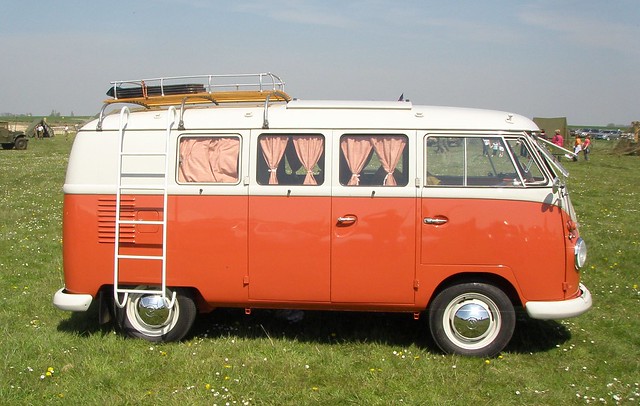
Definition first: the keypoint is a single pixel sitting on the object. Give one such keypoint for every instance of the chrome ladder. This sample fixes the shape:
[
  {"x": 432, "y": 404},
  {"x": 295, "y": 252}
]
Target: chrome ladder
[{"x": 131, "y": 189}]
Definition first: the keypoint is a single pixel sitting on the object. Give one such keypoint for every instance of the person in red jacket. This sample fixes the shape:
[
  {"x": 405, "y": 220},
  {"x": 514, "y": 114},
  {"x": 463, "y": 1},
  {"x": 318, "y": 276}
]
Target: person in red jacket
[{"x": 558, "y": 139}]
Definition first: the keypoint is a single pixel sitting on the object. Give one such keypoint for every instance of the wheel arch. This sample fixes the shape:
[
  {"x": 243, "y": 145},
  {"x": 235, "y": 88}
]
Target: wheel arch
[{"x": 498, "y": 281}]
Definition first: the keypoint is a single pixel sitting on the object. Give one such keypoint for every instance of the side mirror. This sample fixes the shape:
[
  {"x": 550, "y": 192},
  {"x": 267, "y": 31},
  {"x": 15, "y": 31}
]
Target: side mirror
[{"x": 557, "y": 185}]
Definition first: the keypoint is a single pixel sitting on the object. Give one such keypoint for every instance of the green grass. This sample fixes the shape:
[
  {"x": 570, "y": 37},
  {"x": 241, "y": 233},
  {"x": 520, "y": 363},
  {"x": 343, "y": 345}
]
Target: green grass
[{"x": 329, "y": 358}]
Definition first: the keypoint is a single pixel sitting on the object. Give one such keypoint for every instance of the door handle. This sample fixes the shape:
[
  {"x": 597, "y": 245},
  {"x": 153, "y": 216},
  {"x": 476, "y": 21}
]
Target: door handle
[
  {"x": 435, "y": 220},
  {"x": 345, "y": 220}
]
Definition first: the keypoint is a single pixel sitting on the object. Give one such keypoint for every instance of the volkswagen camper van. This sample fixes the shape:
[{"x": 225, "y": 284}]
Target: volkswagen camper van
[{"x": 196, "y": 193}]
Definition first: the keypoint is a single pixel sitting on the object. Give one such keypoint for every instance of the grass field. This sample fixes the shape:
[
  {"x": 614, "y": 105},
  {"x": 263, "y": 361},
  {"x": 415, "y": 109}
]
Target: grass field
[{"x": 54, "y": 357}]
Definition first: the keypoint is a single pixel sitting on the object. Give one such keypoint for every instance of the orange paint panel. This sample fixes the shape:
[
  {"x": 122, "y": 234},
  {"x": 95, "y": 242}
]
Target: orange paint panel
[
  {"x": 206, "y": 245},
  {"x": 289, "y": 248},
  {"x": 526, "y": 237},
  {"x": 88, "y": 264},
  {"x": 373, "y": 257}
]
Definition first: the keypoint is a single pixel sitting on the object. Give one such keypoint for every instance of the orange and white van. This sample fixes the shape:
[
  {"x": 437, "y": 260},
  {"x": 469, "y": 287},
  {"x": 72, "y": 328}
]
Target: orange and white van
[{"x": 223, "y": 191}]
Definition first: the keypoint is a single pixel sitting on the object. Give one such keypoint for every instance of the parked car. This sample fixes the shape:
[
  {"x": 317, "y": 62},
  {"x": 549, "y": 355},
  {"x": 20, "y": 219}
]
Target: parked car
[
  {"x": 610, "y": 134},
  {"x": 588, "y": 131},
  {"x": 11, "y": 139}
]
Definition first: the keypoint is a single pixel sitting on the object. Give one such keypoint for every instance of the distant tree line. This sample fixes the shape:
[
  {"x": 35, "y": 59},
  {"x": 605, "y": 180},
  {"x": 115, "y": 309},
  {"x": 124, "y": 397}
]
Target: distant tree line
[{"x": 54, "y": 113}]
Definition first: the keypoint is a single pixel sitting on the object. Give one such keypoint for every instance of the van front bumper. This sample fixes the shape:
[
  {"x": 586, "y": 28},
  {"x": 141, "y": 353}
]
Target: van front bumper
[
  {"x": 562, "y": 309},
  {"x": 75, "y": 302}
]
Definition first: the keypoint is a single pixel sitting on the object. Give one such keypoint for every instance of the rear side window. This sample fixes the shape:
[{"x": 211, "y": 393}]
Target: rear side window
[
  {"x": 480, "y": 162},
  {"x": 374, "y": 160},
  {"x": 290, "y": 159},
  {"x": 209, "y": 159}
]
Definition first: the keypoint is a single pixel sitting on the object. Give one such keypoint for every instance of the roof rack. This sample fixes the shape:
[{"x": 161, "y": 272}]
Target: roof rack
[
  {"x": 200, "y": 89},
  {"x": 168, "y": 91}
]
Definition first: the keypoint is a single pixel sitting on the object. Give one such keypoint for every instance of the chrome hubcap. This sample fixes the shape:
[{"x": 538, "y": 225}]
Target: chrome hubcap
[
  {"x": 471, "y": 321},
  {"x": 153, "y": 311}
]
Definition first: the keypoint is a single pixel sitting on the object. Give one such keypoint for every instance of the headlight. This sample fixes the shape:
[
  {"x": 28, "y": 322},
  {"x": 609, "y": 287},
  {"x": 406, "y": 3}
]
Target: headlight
[{"x": 580, "y": 253}]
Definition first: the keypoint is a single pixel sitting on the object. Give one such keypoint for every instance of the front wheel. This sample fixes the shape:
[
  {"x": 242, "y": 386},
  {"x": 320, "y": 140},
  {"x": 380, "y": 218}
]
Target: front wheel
[
  {"x": 473, "y": 319},
  {"x": 148, "y": 316},
  {"x": 21, "y": 143}
]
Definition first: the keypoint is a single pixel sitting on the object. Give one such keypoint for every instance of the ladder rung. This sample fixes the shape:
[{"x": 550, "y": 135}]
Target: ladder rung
[
  {"x": 144, "y": 257},
  {"x": 119, "y": 290},
  {"x": 143, "y": 174},
  {"x": 142, "y": 187},
  {"x": 158, "y": 222},
  {"x": 143, "y": 153}
]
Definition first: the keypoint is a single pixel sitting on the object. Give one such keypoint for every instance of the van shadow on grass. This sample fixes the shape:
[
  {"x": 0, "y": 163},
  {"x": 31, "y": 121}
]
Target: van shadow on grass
[
  {"x": 85, "y": 324},
  {"x": 331, "y": 327},
  {"x": 394, "y": 329},
  {"x": 532, "y": 336}
]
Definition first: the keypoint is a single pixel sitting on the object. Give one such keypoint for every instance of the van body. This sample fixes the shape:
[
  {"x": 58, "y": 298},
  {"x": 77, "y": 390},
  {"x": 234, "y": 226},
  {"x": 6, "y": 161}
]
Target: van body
[{"x": 268, "y": 202}]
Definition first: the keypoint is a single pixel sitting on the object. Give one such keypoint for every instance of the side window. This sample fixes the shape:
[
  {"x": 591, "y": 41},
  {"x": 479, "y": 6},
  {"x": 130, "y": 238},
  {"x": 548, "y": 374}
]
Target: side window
[
  {"x": 290, "y": 159},
  {"x": 374, "y": 160},
  {"x": 471, "y": 161},
  {"x": 445, "y": 161},
  {"x": 209, "y": 159}
]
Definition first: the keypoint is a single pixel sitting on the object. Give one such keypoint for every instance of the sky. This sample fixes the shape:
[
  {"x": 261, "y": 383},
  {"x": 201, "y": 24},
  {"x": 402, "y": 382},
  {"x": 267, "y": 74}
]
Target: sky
[{"x": 578, "y": 59}]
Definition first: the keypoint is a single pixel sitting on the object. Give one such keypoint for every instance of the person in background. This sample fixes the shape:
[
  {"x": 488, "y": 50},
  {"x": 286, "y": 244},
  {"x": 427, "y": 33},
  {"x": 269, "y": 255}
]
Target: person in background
[
  {"x": 577, "y": 147},
  {"x": 558, "y": 139},
  {"x": 586, "y": 147}
]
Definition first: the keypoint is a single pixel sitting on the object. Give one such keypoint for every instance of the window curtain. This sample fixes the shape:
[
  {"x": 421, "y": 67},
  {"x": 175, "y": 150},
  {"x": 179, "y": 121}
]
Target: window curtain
[
  {"x": 309, "y": 149},
  {"x": 356, "y": 150},
  {"x": 273, "y": 147},
  {"x": 389, "y": 149},
  {"x": 209, "y": 160}
]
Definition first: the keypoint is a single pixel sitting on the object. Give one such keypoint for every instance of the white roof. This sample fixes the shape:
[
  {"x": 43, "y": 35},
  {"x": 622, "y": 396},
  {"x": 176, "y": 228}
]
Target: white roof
[{"x": 322, "y": 114}]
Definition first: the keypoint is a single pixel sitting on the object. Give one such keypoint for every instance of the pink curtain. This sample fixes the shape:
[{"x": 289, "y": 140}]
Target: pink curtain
[
  {"x": 273, "y": 147},
  {"x": 309, "y": 148},
  {"x": 355, "y": 151},
  {"x": 389, "y": 149},
  {"x": 209, "y": 160}
]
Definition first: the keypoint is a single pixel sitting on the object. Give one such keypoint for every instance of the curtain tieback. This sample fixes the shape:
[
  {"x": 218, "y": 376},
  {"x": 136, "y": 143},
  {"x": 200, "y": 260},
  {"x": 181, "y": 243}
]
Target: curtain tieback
[{"x": 356, "y": 177}]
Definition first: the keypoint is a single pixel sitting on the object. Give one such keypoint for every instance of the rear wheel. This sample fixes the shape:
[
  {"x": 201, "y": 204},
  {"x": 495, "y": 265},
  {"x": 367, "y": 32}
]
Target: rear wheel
[
  {"x": 474, "y": 319},
  {"x": 148, "y": 316}
]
